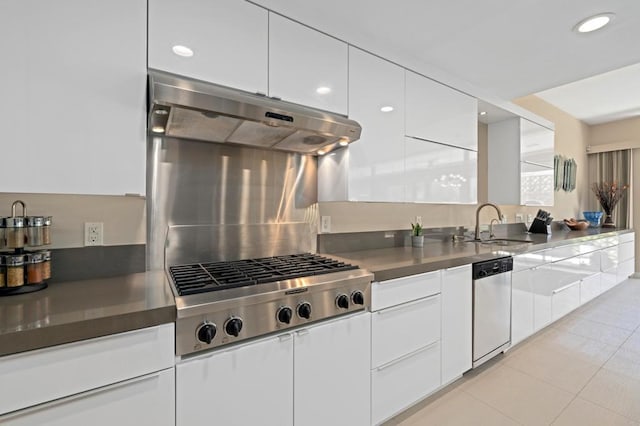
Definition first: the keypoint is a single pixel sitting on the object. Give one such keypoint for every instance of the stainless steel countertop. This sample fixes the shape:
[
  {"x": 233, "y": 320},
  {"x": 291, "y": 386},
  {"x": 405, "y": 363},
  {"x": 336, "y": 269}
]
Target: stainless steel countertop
[
  {"x": 71, "y": 311},
  {"x": 397, "y": 262}
]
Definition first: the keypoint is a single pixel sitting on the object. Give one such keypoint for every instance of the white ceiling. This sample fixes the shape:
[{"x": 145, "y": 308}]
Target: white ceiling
[{"x": 503, "y": 47}]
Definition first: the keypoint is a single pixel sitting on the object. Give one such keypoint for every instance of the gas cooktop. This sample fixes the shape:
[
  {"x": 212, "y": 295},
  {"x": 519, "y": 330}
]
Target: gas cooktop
[{"x": 204, "y": 277}]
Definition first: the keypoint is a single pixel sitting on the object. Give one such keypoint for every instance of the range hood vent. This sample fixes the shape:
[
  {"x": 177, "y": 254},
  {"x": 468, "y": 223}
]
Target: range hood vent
[{"x": 185, "y": 108}]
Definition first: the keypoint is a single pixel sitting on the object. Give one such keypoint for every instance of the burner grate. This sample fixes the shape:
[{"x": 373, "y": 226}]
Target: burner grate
[{"x": 200, "y": 278}]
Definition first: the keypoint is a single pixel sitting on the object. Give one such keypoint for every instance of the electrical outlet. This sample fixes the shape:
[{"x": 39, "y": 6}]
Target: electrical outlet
[
  {"x": 529, "y": 218},
  {"x": 419, "y": 220},
  {"x": 519, "y": 218},
  {"x": 93, "y": 234},
  {"x": 325, "y": 224}
]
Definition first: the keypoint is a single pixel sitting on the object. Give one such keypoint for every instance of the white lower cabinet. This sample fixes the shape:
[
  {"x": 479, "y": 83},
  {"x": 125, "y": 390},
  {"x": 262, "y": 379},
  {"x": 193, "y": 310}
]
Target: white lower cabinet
[
  {"x": 304, "y": 378},
  {"x": 146, "y": 400},
  {"x": 457, "y": 322},
  {"x": 243, "y": 385},
  {"x": 331, "y": 373},
  {"x": 522, "y": 304},
  {"x": 590, "y": 288},
  {"x": 564, "y": 300},
  {"x": 73, "y": 368},
  {"x": 404, "y": 381}
]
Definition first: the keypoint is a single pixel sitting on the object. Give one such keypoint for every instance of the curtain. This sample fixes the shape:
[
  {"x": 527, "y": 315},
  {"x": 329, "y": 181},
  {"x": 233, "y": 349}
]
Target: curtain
[{"x": 612, "y": 166}]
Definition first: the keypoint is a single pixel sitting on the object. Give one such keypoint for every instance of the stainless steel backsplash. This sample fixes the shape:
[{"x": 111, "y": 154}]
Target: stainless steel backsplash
[{"x": 204, "y": 191}]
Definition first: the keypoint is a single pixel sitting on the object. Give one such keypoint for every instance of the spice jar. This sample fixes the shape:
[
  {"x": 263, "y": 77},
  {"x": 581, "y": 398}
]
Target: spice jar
[
  {"x": 35, "y": 226},
  {"x": 34, "y": 268},
  {"x": 3, "y": 272},
  {"x": 14, "y": 231},
  {"x": 15, "y": 270},
  {"x": 46, "y": 264},
  {"x": 2, "y": 241},
  {"x": 46, "y": 231}
]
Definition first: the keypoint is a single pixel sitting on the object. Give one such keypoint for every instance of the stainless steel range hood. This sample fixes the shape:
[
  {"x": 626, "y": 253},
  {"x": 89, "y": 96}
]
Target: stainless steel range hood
[{"x": 185, "y": 108}]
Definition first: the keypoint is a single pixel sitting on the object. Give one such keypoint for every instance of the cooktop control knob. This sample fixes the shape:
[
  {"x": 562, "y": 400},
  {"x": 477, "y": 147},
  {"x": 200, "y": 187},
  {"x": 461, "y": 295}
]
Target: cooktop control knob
[
  {"x": 284, "y": 314},
  {"x": 482, "y": 273},
  {"x": 357, "y": 297},
  {"x": 206, "y": 332},
  {"x": 342, "y": 301},
  {"x": 233, "y": 326},
  {"x": 304, "y": 310}
]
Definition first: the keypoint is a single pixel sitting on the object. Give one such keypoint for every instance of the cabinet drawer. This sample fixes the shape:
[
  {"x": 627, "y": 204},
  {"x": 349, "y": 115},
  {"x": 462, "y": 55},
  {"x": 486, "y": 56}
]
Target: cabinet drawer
[
  {"x": 528, "y": 260},
  {"x": 148, "y": 400},
  {"x": 626, "y": 251},
  {"x": 561, "y": 253},
  {"x": 626, "y": 269},
  {"x": 626, "y": 238},
  {"x": 608, "y": 258},
  {"x": 564, "y": 300},
  {"x": 590, "y": 263},
  {"x": 609, "y": 278},
  {"x": 607, "y": 242},
  {"x": 406, "y": 289},
  {"x": 401, "y": 329},
  {"x": 72, "y": 368},
  {"x": 396, "y": 386},
  {"x": 590, "y": 288}
]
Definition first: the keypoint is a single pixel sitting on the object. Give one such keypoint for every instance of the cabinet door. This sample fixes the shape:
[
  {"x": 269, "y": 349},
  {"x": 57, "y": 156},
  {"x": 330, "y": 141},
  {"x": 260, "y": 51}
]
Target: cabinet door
[
  {"x": 522, "y": 305},
  {"x": 543, "y": 285},
  {"x": 536, "y": 185},
  {"x": 306, "y": 66},
  {"x": 376, "y": 161},
  {"x": 332, "y": 365},
  {"x": 245, "y": 385},
  {"x": 436, "y": 173},
  {"x": 74, "y": 96},
  {"x": 439, "y": 113},
  {"x": 456, "y": 322},
  {"x": 536, "y": 144},
  {"x": 228, "y": 39},
  {"x": 148, "y": 400}
]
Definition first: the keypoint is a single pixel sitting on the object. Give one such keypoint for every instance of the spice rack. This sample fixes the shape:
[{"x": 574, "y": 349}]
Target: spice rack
[{"x": 23, "y": 270}]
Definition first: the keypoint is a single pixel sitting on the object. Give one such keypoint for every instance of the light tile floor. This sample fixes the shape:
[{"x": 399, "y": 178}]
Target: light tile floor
[{"x": 582, "y": 370}]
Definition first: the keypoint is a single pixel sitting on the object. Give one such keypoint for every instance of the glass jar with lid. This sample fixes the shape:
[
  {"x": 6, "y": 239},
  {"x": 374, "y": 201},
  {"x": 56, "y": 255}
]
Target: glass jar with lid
[
  {"x": 14, "y": 231},
  {"x": 35, "y": 230},
  {"x": 46, "y": 231},
  {"x": 34, "y": 268},
  {"x": 3, "y": 272},
  {"x": 14, "y": 270},
  {"x": 2, "y": 240},
  {"x": 46, "y": 264}
]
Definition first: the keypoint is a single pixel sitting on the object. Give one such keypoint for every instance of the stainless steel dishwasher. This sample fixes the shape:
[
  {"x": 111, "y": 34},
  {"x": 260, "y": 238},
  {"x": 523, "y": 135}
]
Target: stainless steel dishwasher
[{"x": 491, "y": 308}]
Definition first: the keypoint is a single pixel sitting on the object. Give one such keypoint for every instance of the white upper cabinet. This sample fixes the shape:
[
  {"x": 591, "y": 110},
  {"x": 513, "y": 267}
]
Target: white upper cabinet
[
  {"x": 306, "y": 67},
  {"x": 228, "y": 39},
  {"x": 372, "y": 168},
  {"x": 536, "y": 144},
  {"x": 73, "y": 96},
  {"x": 437, "y": 173},
  {"x": 520, "y": 163},
  {"x": 438, "y": 113}
]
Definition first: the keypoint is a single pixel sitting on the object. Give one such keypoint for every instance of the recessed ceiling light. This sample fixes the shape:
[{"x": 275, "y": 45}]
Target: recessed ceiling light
[
  {"x": 323, "y": 90},
  {"x": 182, "y": 51},
  {"x": 386, "y": 108},
  {"x": 157, "y": 129},
  {"x": 482, "y": 113},
  {"x": 161, "y": 112},
  {"x": 344, "y": 143},
  {"x": 593, "y": 23},
  {"x": 321, "y": 152}
]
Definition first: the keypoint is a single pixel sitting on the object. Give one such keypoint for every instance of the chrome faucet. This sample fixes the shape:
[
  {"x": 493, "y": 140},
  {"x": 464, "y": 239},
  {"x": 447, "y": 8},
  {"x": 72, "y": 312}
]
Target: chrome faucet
[{"x": 477, "y": 236}]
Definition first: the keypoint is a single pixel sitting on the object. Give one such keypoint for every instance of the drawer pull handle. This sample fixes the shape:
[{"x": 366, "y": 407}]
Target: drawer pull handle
[
  {"x": 407, "y": 305},
  {"x": 407, "y": 356},
  {"x": 561, "y": 289},
  {"x": 302, "y": 332},
  {"x": 285, "y": 337}
]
